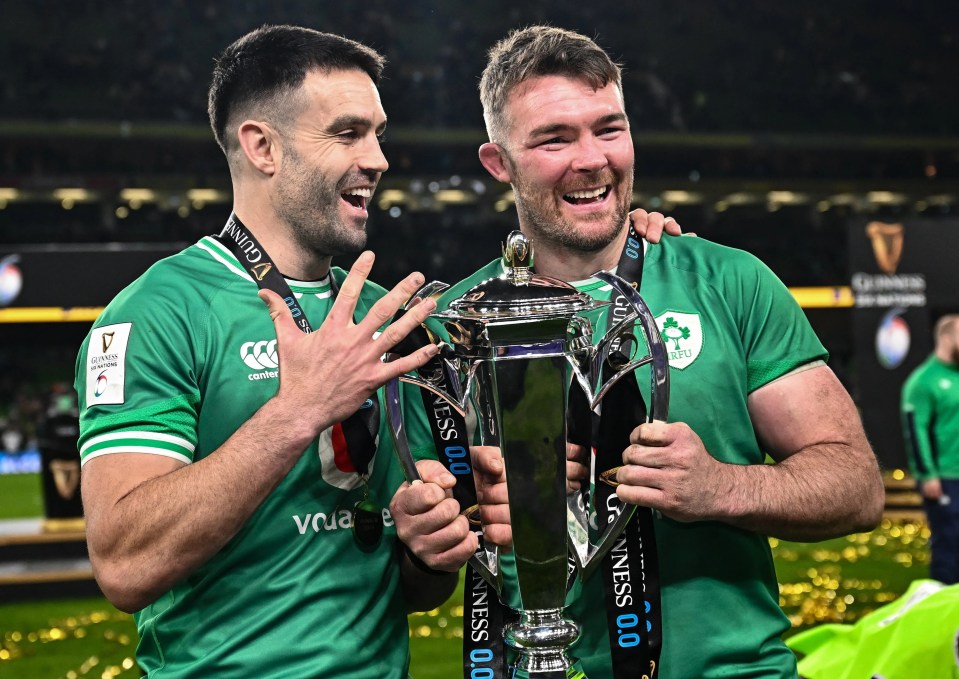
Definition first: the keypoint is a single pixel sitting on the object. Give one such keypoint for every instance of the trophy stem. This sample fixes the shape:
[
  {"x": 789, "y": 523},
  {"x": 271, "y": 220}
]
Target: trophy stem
[{"x": 541, "y": 638}]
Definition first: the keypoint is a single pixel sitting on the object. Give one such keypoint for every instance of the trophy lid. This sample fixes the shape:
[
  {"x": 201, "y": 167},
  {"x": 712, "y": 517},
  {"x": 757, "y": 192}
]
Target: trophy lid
[{"x": 519, "y": 293}]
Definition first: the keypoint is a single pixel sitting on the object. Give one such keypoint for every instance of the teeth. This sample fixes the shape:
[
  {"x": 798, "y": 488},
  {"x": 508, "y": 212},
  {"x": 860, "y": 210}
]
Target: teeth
[
  {"x": 364, "y": 193},
  {"x": 587, "y": 194}
]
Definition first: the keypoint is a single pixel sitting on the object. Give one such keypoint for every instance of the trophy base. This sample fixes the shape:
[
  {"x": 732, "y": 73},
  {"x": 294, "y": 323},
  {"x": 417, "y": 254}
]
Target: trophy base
[{"x": 541, "y": 638}]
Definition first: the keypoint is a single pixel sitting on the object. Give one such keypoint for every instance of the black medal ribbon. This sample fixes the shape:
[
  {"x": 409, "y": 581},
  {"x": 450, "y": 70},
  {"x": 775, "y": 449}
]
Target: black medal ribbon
[
  {"x": 359, "y": 429},
  {"x": 631, "y": 569}
]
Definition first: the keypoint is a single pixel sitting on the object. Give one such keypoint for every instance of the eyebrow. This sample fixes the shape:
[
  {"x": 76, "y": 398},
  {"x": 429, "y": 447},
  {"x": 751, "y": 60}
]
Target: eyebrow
[
  {"x": 351, "y": 120},
  {"x": 560, "y": 127}
]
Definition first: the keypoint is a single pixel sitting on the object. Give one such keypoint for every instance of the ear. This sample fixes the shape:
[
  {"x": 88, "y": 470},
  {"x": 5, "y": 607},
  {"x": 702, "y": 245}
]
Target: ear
[
  {"x": 495, "y": 161},
  {"x": 258, "y": 141}
]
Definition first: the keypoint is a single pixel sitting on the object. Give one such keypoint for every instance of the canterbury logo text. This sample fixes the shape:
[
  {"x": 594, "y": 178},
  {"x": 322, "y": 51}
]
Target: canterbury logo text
[{"x": 259, "y": 355}]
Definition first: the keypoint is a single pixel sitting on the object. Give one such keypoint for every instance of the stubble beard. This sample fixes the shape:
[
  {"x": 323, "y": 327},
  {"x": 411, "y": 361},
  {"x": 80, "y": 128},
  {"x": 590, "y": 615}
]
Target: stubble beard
[
  {"x": 543, "y": 218},
  {"x": 309, "y": 203}
]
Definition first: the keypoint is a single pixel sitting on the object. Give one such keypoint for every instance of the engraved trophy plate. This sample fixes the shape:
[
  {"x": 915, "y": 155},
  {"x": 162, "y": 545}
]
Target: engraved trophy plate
[{"x": 517, "y": 344}]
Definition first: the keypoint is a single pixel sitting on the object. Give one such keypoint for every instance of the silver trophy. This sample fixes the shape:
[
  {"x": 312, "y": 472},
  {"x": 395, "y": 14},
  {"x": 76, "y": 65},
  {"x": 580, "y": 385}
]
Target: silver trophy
[{"x": 519, "y": 342}]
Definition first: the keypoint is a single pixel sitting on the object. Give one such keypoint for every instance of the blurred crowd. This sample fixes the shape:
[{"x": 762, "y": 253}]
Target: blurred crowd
[
  {"x": 708, "y": 66},
  {"x": 700, "y": 65}
]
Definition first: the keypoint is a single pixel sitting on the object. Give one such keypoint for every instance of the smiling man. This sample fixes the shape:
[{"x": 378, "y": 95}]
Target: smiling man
[
  {"x": 747, "y": 378},
  {"x": 236, "y": 469}
]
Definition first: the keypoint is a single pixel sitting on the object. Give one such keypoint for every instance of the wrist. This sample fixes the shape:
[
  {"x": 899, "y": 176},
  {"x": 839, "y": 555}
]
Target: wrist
[
  {"x": 420, "y": 565},
  {"x": 288, "y": 423},
  {"x": 739, "y": 492}
]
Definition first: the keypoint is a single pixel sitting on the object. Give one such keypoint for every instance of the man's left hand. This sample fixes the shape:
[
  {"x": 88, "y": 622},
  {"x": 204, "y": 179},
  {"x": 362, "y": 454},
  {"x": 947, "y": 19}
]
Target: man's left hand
[{"x": 667, "y": 467}]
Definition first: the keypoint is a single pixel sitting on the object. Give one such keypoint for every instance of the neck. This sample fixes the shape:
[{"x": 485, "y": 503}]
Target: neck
[
  {"x": 946, "y": 353},
  {"x": 566, "y": 264},
  {"x": 276, "y": 238}
]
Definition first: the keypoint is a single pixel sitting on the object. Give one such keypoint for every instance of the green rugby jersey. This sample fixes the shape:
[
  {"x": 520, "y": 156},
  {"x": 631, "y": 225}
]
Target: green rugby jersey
[
  {"x": 174, "y": 365},
  {"x": 930, "y": 411},
  {"x": 731, "y": 327}
]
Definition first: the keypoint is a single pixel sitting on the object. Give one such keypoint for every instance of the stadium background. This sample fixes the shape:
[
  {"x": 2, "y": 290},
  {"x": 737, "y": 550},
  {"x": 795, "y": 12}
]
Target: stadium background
[{"x": 777, "y": 128}]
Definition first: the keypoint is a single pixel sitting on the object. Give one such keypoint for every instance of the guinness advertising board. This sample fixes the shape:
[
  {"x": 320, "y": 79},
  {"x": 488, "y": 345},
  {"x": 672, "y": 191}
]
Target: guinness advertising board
[{"x": 903, "y": 277}]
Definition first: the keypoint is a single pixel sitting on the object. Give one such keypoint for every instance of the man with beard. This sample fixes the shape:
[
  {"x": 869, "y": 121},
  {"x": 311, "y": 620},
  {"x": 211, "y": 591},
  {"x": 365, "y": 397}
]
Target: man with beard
[
  {"x": 748, "y": 378},
  {"x": 235, "y": 466},
  {"x": 930, "y": 411}
]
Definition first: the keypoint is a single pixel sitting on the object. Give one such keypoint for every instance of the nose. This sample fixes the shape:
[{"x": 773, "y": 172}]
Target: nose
[
  {"x": 590, "y": 156},
  {"x": 372, "y": 158}
]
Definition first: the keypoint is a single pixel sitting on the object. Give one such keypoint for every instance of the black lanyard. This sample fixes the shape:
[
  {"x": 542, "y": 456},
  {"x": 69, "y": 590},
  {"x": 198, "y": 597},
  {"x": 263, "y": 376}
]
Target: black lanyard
[
  {"x": 631, "y": 569},
  {"x": 360, "y": 428}
]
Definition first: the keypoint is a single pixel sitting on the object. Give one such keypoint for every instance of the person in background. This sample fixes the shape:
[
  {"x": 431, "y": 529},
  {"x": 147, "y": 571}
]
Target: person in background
[
  {"x": 57, "y": 434},
  {"x": 930, "y": 414}
]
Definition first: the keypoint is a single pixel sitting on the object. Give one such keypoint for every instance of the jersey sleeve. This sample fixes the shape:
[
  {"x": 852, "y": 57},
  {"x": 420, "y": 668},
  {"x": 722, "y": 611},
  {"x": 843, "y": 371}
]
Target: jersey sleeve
[
  {"x": 776, "y": 334},
  {"x": 137, "y": 379},
  {"x": 918, "y": 414}
]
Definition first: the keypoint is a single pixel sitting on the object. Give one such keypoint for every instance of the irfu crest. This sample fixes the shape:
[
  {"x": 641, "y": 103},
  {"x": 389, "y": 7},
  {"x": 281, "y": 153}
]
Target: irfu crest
[{"x": 683, "y": 334}]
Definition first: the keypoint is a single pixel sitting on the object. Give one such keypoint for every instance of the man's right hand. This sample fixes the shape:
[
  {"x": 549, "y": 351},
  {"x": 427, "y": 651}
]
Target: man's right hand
[
  {"x": 329, "y": 373},
  {"x": 428, "y": 519},
  {"x": 931, "y": 489}
]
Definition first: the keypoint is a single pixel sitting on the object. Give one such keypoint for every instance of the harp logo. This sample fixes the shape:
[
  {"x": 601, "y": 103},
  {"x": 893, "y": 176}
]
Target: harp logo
[
  {"x": 106, "y": 364},
  {"x": 886, "y": 242},
  {"x": 260, "y": 270},
  {"x": 66, "y": 477}
]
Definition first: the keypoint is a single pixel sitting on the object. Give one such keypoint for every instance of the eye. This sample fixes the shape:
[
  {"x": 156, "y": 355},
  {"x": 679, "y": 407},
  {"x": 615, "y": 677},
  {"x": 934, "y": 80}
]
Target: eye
[
  {"x": 553, "y": 141},
  {"x": 348, "y": 135},
  {"x": 607, "y": 131},
  {"x": 381, "y": 137}
]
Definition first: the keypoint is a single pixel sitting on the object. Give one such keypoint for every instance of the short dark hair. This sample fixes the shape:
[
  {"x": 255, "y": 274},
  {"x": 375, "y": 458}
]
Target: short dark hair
[
  {"x": 266, "y": 66},
  {"x": 539, "y": 51}
]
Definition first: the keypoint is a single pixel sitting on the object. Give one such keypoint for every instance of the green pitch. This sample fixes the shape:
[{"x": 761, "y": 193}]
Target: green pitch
[
  {"x": 21, "y": 496},
  {"x": 838, "y": 580}
]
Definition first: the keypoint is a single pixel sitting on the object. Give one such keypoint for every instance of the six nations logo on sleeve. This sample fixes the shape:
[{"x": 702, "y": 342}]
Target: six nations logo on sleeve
[{"x": 106, "y": 364}]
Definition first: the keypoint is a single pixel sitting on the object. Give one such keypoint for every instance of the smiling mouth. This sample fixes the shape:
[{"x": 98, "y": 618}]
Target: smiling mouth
[
  {"x": 357, "y": 197},
  {"x": 587, "y": 196}
]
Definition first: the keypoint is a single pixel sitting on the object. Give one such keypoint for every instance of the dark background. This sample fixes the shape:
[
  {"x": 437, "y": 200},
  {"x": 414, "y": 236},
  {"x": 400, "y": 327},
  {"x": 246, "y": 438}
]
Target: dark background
[{"x": 847, "y": 106}]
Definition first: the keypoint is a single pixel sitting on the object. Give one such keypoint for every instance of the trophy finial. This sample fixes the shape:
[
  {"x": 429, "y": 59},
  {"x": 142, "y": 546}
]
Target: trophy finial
[{"x": 518, "y": 258}]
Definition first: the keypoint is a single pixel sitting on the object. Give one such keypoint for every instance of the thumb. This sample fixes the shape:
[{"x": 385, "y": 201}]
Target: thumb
[
  {"x": 279, "y": 313},
  {"x": 433, "y": 471}
]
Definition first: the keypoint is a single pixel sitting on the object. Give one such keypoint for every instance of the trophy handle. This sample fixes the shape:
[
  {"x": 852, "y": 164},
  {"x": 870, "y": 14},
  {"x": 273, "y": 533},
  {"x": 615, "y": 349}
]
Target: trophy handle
[
  {"x": 445, "y": 363},
  {"x": 459, "y": 401},
  {"x": 657, "y": 356},
  {"x": 587, "y": 554},
  {"x": 486, "y": 559}
]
